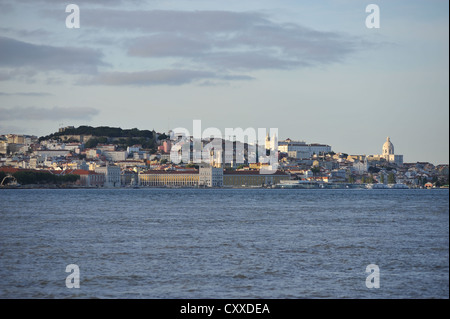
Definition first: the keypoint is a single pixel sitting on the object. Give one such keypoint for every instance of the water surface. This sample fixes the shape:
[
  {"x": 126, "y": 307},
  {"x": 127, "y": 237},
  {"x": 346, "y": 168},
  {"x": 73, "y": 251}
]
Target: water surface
[{"x": 224, "y": 243}]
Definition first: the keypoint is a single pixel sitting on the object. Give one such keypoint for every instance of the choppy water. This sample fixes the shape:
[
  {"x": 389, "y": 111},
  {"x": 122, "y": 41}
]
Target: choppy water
[{"x": 224, "y": 243}]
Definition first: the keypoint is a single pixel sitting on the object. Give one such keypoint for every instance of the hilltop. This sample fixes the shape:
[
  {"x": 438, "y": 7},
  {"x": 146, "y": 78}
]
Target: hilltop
[{"x": 92, "y": 136}]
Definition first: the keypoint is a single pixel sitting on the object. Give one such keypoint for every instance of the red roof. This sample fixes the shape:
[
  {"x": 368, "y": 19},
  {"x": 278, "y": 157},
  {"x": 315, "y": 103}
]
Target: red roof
[
  {"x": 12, "y": 170},
  {"x": 84, "y": 172},
  {"x": 254, "y": 172},
  {"x": 8, "y": 169},
  {"x": 170, "y": 172}
]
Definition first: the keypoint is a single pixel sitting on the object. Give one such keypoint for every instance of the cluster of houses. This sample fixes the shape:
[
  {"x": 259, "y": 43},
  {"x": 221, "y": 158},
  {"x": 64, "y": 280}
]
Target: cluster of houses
[{"x": 106, "y": 165}]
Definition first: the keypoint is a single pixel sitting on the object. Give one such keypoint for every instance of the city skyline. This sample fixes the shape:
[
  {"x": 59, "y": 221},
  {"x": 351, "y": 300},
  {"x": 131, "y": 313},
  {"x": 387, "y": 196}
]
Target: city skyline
[{"x": 314, "y": 71}]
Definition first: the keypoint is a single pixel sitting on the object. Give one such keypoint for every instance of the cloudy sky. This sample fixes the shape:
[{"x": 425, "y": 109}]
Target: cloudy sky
[{"x": 312, "y": 69}]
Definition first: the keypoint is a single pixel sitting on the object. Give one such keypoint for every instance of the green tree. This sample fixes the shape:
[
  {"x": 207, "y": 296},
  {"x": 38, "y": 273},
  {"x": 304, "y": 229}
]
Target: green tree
[
  {"x": 93, "y": 142},
  {"x": 382, "y": 178},
  {"x": 163, "y": 136},
  {"x": 30, "y": 177},
  {"x": 315, "y": 170},
  {"x": 391, "y": 178}
]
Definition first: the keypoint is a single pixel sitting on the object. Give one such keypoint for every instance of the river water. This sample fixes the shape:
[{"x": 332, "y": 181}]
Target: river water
[{"x": 224, "y": 243}]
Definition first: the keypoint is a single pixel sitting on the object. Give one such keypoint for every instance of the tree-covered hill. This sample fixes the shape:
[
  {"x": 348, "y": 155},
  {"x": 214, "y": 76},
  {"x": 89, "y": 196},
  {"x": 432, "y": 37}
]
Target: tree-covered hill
[
  {"x": 105, "y": 134},
  {"x": 101, "y": 131}
]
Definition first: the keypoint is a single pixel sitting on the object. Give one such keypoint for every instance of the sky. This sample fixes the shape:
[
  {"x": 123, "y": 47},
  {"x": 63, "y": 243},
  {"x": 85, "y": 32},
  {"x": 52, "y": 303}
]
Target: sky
[{"x": 311, "y": 69}]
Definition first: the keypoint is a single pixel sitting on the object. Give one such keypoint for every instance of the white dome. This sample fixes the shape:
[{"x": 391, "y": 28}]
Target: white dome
[{"x": 388, "y": 147}]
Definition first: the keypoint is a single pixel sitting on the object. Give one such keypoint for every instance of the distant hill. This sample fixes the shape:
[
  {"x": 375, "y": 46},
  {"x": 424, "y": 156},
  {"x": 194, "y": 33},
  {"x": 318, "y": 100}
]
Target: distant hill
[
  {"x": 105, "y": 131},
  {"x": 105, "y": 134}
]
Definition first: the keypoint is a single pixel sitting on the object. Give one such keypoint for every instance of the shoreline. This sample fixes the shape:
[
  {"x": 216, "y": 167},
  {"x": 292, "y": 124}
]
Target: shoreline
[{"x": 343, "y": 187}]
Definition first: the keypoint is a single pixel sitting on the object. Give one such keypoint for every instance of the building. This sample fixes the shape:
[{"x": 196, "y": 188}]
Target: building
[
  {"x": 129, "y": 178},
  {"x": 299, "y": 149},
  {"x": 51, "y": 153},
  {"x": 360, "y": 167},
  {"x": 3, "y": 147},
  {"x": 111, "y": 173},
  {"x": 252, "y": 178},
  {"x": 106, "y": 147},
  {"x": 388, "y": 153},
  {"x": 271, "y": 143},
  {"x": 167, "y": 178},
  {"x": 90, "y": 178},
  {"x": 210, "y": 176},
  {"x": 115, "y": 156}
]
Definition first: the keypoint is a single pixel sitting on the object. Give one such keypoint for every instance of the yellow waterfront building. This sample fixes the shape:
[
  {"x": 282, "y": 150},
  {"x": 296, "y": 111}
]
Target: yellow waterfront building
[
  {"x": 246, "y": 178},
  {"x": 163, "y": 178}
]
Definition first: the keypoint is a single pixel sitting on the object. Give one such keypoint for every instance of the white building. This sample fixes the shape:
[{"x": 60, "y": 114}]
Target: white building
[
  {"x": 360, "y": 167},
  {"x": 299, "y": 149},
  {"x": 93, "y": 153},
  {"x": 388, "y": 153},
  {"x": 133, "y": 149},
  {"x": 3, "y": 147},
  {"x": 112, "y": 175},
  {"x": 210, "y": 176},
  {"x": 115, "y": 156},
  {"x": 51, "y": 153}
]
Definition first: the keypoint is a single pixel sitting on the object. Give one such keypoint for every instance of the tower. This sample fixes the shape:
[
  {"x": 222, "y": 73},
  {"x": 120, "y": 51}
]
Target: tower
[
  {"x": 388, "y": 147},
  {"x": 267, "y": 145}
]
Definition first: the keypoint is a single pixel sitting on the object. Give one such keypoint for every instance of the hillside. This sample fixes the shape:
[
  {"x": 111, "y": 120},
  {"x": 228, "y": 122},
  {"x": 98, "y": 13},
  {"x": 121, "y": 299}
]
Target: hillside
[{"x": 92, "y": 136}]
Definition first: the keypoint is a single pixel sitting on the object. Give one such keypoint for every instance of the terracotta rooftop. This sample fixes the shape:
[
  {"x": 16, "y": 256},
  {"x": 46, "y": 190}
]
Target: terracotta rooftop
[{"x": 170, "y": 172}]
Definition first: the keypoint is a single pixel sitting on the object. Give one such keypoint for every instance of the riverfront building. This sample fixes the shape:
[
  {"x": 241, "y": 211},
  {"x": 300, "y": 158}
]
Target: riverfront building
[
  {"x": 210, "y": 176},
  {"x": 252, "y": 178},
  {"x": 112, "y": 175},
  {"x": 162, "y": 178},
  {"x": 89, "y": 178}
]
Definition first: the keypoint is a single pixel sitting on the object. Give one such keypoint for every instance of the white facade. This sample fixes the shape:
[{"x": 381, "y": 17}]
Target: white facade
[
  {"x": 3, "y": 147},
  {"x": 112, "y": 175},
  {"x": 360, "y": 167},
  {"x": 115, "y": 156},
  {"x": 302, "y": 150},
  {"x": 92, "y": 153},
  {"x": 210, "y": 176},
  {"x": 133, "y": 149},
  {"x": 51, "y": 153},
  {"x": 388, "y": 153}
]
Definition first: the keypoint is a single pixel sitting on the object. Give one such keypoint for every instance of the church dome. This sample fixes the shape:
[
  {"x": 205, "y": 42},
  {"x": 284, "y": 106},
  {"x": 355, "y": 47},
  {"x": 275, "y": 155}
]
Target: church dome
[{"x": 388, "y": 147}]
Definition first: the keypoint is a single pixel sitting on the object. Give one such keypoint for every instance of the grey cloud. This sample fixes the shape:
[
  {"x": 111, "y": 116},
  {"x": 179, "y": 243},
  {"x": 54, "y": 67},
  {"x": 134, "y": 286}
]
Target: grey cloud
[
  {"x": 42, "y": 114},
  {"x": 37, "y": 33},
  {"x": 161, "y": 45},
  {"x": 158, "y": 77},
  {"x": 34, "y": 94},
  {"x": 5, "y": 76},
  {"x": 6, "y": 7},
  {"x": 171, "y": 21},
  {"x": 209, "y": 42},
  {"x": 16, "y": 53},
  {"x": 297, "y": 42},
  {"x": 231, "y": 40},
  {"x": 247, "y": 61},
  {"x": 97, "y": 3}
]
